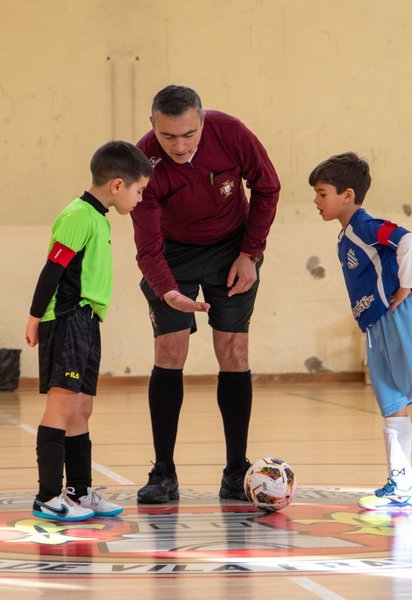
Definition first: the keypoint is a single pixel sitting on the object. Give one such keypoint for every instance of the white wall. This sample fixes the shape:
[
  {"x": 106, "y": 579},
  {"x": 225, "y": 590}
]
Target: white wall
[{"x": 298, "y": 315}]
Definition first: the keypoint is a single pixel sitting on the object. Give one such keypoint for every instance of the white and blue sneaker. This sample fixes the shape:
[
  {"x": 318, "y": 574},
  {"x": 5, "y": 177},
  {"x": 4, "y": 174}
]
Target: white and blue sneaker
[
  {"x": 389, "y": 497},
  {"x": 61, "y": 508},
  {"x": 101, "y": 507}
]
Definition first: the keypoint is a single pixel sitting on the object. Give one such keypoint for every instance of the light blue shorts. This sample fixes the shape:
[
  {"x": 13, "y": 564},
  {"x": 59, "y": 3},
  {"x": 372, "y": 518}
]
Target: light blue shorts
[{"x": 389, "y": 347}]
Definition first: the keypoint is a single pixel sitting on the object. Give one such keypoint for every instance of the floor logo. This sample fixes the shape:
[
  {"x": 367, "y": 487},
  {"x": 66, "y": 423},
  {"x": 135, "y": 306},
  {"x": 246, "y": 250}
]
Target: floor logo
[{"x": 201, "y": 536}]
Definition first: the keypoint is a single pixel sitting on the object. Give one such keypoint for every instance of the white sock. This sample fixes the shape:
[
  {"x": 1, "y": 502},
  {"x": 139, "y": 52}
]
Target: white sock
[{"x": 397, "y": 433}]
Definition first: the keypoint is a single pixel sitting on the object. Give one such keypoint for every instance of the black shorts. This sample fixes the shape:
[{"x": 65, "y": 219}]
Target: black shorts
[
  {"x": 205, "y": 267},
  {"x": 69, "y": 352}
]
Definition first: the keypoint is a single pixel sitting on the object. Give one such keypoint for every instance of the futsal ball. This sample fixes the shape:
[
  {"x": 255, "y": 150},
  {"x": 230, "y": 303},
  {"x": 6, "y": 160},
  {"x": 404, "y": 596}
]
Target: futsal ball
[{"x": 270, "y": 484}]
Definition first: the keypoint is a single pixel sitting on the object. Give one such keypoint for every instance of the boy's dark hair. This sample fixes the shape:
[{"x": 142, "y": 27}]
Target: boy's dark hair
[
  {"x": 119, "y": 159},
  {"x": 344, "y": 171},
  {"x": 176, "y": 100}
]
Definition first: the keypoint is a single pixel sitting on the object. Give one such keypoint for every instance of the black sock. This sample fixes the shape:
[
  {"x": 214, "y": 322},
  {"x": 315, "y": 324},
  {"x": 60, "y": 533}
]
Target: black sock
[
  {"x": 78, "y": 462},
  {"x": 165, "y": 402},
  {"x": 234, "y": 397},
  {"x": 50, "y": 461}
]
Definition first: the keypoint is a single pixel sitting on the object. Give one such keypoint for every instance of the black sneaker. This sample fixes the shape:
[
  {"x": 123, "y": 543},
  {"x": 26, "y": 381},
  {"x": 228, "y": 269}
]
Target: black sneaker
[
  {"x": 232, "y": 483},
  {"x": 161, "y": 487}
]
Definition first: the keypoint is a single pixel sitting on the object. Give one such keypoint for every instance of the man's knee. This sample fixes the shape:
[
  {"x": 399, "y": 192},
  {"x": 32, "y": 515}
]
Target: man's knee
[
  {"x": 232, "y": 350},
  {"x": 171, "y": 349}
]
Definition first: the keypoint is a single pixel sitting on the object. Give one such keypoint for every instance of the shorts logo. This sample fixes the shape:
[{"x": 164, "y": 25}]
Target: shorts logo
[
  {"x": 152, "y": 318},
  {"x": 352, "y": 261},
  {"x": 396, "y": 472},
  {"x": 72, "y": 375},
  {"x": 362, "y": 304},
  {"x": 227, "y": 187}
]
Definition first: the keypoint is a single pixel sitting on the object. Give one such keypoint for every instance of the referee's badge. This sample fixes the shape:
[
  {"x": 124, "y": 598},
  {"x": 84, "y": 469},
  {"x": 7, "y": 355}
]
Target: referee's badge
[{"x": 227, "y": 187}]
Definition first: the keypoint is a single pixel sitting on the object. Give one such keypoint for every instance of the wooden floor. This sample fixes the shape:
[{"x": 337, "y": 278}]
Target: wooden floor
[{"x": 321, "y": 546}]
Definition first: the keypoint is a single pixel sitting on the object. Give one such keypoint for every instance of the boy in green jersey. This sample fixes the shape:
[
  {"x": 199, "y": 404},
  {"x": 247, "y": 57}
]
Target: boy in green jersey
[{"x": 72, "y": 296}]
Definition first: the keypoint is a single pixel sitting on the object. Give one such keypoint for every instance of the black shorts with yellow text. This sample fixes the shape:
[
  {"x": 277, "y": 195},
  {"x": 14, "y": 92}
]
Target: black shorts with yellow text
[{"x": 69, "y": 352}]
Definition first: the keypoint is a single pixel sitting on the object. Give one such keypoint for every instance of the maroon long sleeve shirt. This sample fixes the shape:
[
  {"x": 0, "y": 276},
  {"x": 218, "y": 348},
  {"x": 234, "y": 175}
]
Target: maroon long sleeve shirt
[{"x": 204, "y": 201}]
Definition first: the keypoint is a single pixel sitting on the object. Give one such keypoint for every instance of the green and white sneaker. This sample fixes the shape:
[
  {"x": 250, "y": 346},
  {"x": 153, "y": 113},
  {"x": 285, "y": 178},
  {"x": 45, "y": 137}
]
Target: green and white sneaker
[
  {"x": 389, "y": 497},
  {"x": 61, "y": 508},
  {"x": 100, "y": 506}
]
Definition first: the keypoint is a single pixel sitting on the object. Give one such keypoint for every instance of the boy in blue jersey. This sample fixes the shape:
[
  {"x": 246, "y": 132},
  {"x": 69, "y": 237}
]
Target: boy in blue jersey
[
  {"x": 72, "y": 296},
  {"x": 376, "y": 259}
]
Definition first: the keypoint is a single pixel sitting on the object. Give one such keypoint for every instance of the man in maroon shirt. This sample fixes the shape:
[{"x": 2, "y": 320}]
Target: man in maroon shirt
[{"x": 196, "y": 229}]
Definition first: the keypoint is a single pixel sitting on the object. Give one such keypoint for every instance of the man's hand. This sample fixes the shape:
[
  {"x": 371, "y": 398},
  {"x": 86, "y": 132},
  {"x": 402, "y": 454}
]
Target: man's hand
[
  {"x": 180, "y": 302},
  {"x": 32, "y": 331},
  {"x": 398, "y": 297},
  {"x": 242, "y": 275}
]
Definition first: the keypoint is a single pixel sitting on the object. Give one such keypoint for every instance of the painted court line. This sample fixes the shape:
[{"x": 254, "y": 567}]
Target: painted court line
[
  {"x": 315, "y": 588},
  {"x": 96, "y": 466}
]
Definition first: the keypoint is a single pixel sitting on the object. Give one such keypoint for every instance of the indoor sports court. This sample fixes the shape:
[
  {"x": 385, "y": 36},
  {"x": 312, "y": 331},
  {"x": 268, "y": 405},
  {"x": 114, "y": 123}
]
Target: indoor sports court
[
  {"x": 321, "y": 546},
  {"x": 309, "y": 80}
]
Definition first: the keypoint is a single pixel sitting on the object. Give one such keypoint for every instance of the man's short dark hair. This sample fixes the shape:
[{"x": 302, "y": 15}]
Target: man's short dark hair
[
  {"x": 176, "y": 100},
  {"x": 119, "y": 159},
  {"x": 344, "y": 171}
]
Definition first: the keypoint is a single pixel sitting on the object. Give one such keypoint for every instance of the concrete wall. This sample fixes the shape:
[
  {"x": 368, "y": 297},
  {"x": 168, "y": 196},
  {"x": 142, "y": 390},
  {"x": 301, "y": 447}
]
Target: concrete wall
[{"x": 311, "y": 78}]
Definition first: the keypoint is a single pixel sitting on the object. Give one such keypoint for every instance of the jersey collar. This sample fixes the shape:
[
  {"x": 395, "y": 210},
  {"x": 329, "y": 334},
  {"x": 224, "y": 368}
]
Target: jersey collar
[{"x": 87, "y": 197}]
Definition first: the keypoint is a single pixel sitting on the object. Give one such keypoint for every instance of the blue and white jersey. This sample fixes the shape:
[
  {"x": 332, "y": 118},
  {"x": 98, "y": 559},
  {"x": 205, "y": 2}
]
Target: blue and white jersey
[{"x": 367, "y": 253}]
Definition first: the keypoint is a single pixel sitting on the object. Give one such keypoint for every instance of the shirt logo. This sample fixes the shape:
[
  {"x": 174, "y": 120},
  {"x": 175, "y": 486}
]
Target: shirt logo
[
  {"x": 352, "y": 261},
  {"x": 154, "y": 161},
  {"x": 227, "y": 187},
  {"x": 362, "y": 304}
]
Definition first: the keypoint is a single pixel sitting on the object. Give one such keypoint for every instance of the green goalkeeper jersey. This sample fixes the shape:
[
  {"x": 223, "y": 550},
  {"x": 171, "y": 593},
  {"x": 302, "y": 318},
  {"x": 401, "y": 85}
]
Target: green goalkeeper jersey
[{"x": 83, "y": 229}]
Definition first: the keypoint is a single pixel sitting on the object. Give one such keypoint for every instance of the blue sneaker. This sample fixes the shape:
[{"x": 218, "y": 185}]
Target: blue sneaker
[{"x": 388, "y": 497}]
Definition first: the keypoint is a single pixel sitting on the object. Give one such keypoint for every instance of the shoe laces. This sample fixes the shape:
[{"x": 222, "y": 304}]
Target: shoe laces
[
  {"x": 65, "y": 494},
  {"x": 93, "y": 492},
  {"x": 387, "y": 489},
  {"x": 158, "y": 473}
]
